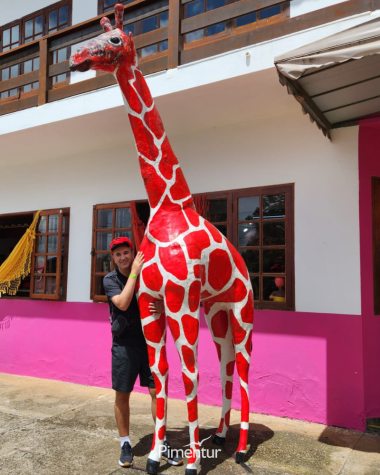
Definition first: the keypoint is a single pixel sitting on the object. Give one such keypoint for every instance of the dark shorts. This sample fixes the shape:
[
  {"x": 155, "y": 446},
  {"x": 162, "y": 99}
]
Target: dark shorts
[{"x": 128, "y": 362}]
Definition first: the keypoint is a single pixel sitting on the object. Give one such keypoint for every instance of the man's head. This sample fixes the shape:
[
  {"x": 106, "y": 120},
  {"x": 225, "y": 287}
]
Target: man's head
[{"x": 122, "y": 253}]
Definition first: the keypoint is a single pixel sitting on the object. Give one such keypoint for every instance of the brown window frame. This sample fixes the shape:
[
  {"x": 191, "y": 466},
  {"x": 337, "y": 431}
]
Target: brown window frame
[{"x": 376, "y": 243}]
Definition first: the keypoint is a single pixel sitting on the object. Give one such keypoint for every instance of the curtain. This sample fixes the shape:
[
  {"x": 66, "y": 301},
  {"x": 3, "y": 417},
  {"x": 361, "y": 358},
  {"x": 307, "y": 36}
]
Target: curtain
[
  {"x": 138, "y": 226},
  {"x": 200, "y": 204},
  {"x": 17, "y": 266}
]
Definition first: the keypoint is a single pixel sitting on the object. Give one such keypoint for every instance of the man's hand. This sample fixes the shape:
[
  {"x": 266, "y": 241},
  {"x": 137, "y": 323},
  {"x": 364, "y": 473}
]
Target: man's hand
[
  {"x": 137, "y": 264},
  {"x": 157, "y": 307}
]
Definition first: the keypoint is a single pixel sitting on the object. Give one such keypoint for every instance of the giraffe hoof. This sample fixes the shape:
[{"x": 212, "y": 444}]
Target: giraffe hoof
[
  {"x": 239, "y": 457},
  {"x": 218, "y": 440},
  {"x": 191, "y": 471},
  {"x": 152, "y": 466}
]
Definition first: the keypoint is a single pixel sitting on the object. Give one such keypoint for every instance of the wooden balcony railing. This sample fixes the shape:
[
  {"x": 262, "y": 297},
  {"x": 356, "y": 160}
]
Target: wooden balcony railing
[{"x": 38, "y": 72}]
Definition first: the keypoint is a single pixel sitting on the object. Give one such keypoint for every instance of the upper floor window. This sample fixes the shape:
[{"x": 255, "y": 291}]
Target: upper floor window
[{"x": 108, "y": 5}]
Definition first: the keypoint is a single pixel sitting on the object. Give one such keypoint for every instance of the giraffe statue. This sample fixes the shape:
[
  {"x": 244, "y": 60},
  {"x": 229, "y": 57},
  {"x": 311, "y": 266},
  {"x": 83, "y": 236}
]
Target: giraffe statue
[{"x": 187, "y": 260}]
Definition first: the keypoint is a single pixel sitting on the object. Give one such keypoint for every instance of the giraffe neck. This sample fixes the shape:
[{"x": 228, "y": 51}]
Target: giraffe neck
[{"x": 163, "y": 178}]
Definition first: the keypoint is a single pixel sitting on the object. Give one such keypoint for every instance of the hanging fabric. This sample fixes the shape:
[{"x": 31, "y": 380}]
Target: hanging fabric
[
  {"x": 138, "y": 226},
  {"x": 200, "y": 202},
  {"x": 17, "y": 265}
]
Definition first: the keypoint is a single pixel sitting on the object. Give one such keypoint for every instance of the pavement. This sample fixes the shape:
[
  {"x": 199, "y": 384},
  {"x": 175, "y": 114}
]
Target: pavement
[{"x": 50, "y": 428}]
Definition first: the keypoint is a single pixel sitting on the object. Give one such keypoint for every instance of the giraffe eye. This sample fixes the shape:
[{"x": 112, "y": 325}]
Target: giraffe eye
[{"x": 115, "y": 40}]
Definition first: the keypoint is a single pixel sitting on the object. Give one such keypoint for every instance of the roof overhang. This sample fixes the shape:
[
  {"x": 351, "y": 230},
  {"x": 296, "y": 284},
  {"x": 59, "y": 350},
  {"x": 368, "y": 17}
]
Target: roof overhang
[{"x": 336, "y": 80}]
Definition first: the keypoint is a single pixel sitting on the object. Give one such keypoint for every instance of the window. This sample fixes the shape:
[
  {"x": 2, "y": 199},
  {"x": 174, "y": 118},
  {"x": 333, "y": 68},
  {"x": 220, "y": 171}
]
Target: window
[
  {"x": 376, "y": 242},
  {"x": 48, "y": 276},
  {"x": 259, "y": 223},
  {"x": 109, "y": 222},
  {"x": 108, "y": 5}
]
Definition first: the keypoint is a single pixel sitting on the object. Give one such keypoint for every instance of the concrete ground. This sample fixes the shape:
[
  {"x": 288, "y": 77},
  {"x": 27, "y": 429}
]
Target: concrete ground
[{"x": 50, "y": 427}]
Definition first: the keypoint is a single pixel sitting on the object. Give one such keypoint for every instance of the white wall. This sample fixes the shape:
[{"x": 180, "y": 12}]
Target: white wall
[
  {"x": 300, "y": 7},
  {"x": 276, "y": 150}
]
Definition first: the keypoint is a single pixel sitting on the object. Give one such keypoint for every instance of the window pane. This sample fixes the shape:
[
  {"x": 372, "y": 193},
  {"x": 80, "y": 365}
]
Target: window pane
[
  {"x": 249, "y": 208},
  {"x": 194, "y": 8},
  {"x": 123, "y": 218},
  {"x": 35, "y": 85},
  {"x": 53, "y": 19},
  {"x": 222, "y": 228},
  {"x": 28, "y": 66},
  {"x": 268, "y": 12},
  {"x": 6, "y": 48},
  {"x": 5, "y": 74},
  {"x": 217, "y": 211},
  {"x": 249, "y": 234},
  {"x": 36, "y": 64},
  {"x": 38, "y": 284},
  {"x": 109, "y": 3},
  {"x": 28, "y": 28},
  {"x": 215, "y": 29},
  {"x": 103, "y": 263},
  {"x": 99, "y": 289},
  {"x": 246, "y": 19},
  {"x": 4, "y": 95},
  {"x": 6, "y": 37},
  {"x": 61, "y": 78},
  {"x": 38, "y": 25},
  {"x": 41, "y": 244},
  {"x": 27, "y": 88},
  {"x": 212, "y": 4},
  {"x": 123, "y": 234},
  {"x": 274, "y": 260},
  {"x": 129, "y": 28},
  {"x": 103, "y": 241},
  {"x": 14, "y": 71},
  {"x": 164, "y": 19},
  {"x": 28, "y": 40},
  {"x": 62, "y": 55},
  {"x": 195, "y": 35},
  {"x": 63, "y": 243},
  {"x": 63, "y": 15},
  {"x": 274, "y": 234},
  {"x": 274, "y": 206},
  {"x": 50, "y": 285},
  {"x": 13, "y": 92},
  {"x": 148, "y": 50},
  {"x": 274, "y": 289},
  {"x": 104, "y": 218},
  {"x": 52, "y": 243},
  {"x": 39, "y": 264},
  {"x": 251, "y": 259},
  {"x": 42, "y": 224},
  {"x": 15, "y": 33},
  {"x": 53, "y": 223},
  {"x": 150, "y": 24},
  {"x": 63, "y": 224},
  {"x": 255, "y": 281},
  {"x": 164, "y": 45},
  {"x": 51, "y": 264}
]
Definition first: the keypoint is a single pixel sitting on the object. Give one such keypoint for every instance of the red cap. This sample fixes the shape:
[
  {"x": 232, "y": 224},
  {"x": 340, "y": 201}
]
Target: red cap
[{"x": 120, "y": 241}]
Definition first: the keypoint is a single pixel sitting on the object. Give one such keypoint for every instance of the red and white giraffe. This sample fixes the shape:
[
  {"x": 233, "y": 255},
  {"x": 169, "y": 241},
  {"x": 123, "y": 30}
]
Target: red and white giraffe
[{"x": 187, "y": 260}]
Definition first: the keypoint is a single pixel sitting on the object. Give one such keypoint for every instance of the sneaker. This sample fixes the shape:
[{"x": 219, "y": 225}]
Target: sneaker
[
  {"x": 126, "y": 456},
  {"x": 171, "y": 456}
]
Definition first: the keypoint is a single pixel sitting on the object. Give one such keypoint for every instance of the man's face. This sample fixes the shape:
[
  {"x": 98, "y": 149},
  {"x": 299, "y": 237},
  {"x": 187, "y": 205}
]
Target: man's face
[{"x": 123, "y": 257}]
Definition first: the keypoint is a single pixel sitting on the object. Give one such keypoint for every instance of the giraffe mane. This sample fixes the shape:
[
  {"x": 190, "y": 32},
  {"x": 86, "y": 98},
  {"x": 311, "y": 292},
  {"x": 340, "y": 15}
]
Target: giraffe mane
[{"x": 119, "y": 13}]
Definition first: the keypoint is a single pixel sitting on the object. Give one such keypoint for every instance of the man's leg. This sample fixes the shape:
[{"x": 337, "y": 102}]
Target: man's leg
[
  {"x": 152, "y": 392},
  {"x": 122, "y": 412}
]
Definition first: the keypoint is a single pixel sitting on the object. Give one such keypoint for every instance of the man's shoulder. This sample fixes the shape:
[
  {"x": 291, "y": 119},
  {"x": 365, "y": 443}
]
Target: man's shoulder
[
  {"x": 111, "y": 278},
  {"x": 111, "y": 275}
]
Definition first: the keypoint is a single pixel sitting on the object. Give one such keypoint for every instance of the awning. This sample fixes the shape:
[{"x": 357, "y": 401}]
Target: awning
[{"x": 337, "y": 79}]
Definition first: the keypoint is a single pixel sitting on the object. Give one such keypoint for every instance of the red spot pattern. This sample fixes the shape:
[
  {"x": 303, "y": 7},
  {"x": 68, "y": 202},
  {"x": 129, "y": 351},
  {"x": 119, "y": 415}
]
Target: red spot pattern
[
  {"x": 153, "y": 122},
  {"x": 173, "y": 260},
  {"x": 192, "y": 409},
  {"x": 144, "y": 139},
  {"x": 151, "y": 355},
  {"x": 144, "y": 301},
  {"x": 152, "y": 277},
  {"x": 155, "y": 186},
  {"x": 219, "y": 324},
  {"x": 192, "y": 457},
  {"x": 154, "y": 331},
  {"x": 242, "y": 367},
  {"x": 157, "y": 383},
  {"x": 230, "y": 368},
  {"x": 247, "y": 311},
  {"x": 219, "y": 350},
  {"x": 161, "y": 432},
  {"x": 219, "y": 269},
  {"x": 189, "y": 385},
  {"x": 160, "y": 407},
  {"x": 174, "y": 295},
  {"x": 243, "y": 440},
  {"x": 168, "y": 160},
  {"x": 132, "y": 98},
  {"x": 191, "y": 328},
  {"x": 192, "y": 216},
  {"x": 239, "y": 261},
  {"x": 236, "y": 293},
  {"x": 154, "y": 440},
  {"x": 180, "y": 189},
  {"x": 167, "y": 226},
  {"x": 142, "y": 88},
  {"x": 194, "y": 295},
  {"x": 196, "y": 435},
  {"x": 238, "y": 333},
  {"x": 196, "y": 242},
  {"x": 188, "y": 358},
  {"x": 174, "y": 328},
  {"x": 244, "y": 405},
  {"x": 248, "y": 343},
  {"x": 200, "y": 272},
  {"x": 227, "y": 417},
  {"x": 163, "y": 362},
  {"x": 220, "y": 428},
  {"x": 228, "y": 390},
  {"x": 217, "y": 236},
  {"x": 204, "y": 295},
  {"x": 148, "y": 248}
]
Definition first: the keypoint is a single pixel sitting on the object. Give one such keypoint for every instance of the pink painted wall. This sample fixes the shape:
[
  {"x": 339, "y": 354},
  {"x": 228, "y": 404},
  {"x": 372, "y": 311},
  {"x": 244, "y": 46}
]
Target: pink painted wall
[
  {"x": 305, "y": 366},
  {"x": 369, "y": 165}
]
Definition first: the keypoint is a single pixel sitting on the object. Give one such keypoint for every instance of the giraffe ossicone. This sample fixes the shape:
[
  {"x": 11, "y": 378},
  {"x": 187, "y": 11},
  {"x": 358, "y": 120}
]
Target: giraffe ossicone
[{"x": 187, "y": 260}]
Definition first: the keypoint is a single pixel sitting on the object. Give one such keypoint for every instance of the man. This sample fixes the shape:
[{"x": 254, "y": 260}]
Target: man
[{"x": 129, "y": 350}]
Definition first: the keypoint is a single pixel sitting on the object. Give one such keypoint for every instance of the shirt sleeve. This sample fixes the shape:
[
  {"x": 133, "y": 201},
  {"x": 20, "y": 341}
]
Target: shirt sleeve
[{"x": 111, "y": 287}]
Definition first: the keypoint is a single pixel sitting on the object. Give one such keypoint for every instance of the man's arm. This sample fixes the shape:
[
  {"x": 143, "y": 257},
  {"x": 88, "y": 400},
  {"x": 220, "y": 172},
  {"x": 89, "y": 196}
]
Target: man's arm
[{"x": 123, "y": 300}]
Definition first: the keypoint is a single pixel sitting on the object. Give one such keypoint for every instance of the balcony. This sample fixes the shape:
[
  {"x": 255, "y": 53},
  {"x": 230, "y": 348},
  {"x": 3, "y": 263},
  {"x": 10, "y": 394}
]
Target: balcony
[{"x": 167, "y": 33}]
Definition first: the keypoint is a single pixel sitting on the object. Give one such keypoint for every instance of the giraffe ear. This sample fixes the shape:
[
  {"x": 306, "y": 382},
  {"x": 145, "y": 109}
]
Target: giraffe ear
[
  {"x": 131, "y": 44},
  {"x": 119, "y": 13},
  {"x": 105, "y": 24}
]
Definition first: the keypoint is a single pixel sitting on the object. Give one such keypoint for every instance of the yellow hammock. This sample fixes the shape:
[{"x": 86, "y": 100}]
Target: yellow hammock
[{"x": 17, "y": 266}]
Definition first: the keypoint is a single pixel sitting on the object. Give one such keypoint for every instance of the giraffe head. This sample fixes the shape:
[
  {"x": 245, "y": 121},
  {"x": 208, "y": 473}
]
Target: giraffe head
[{"x": 108, "y": 50}]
